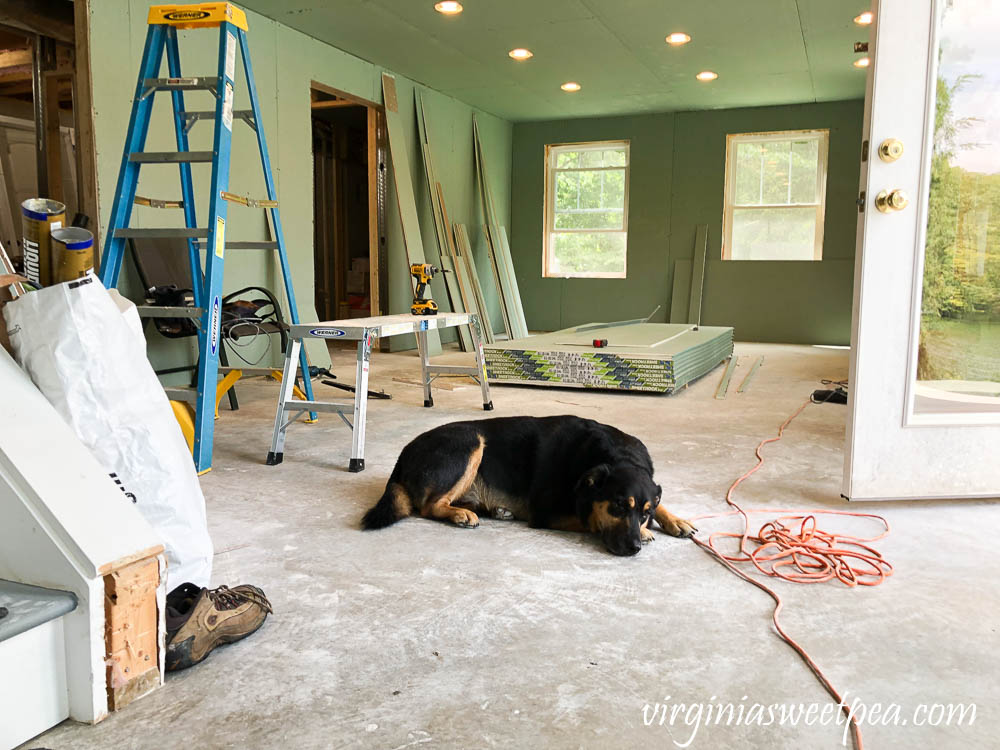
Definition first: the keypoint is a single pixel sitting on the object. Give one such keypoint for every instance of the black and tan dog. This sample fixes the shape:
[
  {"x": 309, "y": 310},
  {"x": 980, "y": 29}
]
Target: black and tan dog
[{"x": 562, "y": 473}]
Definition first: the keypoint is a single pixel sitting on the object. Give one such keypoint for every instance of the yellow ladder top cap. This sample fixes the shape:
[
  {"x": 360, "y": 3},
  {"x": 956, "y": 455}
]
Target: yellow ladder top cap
[{"x": 197, "y": 16}]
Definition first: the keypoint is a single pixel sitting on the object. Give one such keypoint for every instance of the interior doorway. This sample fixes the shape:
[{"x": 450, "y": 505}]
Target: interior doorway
[
  {"x": 46, "y": 117},
  {"x": 348, "y": 198}
]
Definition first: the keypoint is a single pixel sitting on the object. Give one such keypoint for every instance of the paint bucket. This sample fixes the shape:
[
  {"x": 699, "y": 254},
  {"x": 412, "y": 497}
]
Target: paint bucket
[
  {"x": 72, "y": 253},
  {"x": 39, "y": 216}
]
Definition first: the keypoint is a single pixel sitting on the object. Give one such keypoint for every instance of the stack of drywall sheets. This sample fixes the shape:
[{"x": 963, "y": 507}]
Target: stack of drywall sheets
[{"x": 653, "y": 357}]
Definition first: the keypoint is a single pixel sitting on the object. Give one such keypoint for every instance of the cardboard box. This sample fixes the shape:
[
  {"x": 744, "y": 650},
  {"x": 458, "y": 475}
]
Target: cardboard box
[{"x": 357, "y": 282}]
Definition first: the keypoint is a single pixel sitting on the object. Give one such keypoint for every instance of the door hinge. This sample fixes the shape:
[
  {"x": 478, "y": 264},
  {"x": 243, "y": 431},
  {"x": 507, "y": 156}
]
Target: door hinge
[
  {"x": 861, "y": 202},
  {"x": 864, "y": 151}
]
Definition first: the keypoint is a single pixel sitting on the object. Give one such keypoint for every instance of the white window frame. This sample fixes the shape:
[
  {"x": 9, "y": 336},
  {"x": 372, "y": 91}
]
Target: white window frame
[
  {"x": 551, "y": 151},
  {"x": 732, "y": 140}
]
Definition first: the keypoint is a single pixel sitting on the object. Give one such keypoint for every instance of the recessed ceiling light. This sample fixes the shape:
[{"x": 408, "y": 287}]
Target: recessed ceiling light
[
  {"x": 862, "y": 62},
  {"x": 571, "y": 86},
  {"x": 520, "y": 53},
  {"x": 678, "y": 38},
  {"x": 707, "y": 75},
  {"x": 448, "y": 7},
  {"x": 864, "y": 19}
]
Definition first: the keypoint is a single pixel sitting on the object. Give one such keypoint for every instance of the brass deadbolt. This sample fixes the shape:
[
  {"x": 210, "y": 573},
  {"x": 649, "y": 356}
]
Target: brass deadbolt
[
  {"x": 890, "y": 149},
  {"x": 895, "y": 200}
]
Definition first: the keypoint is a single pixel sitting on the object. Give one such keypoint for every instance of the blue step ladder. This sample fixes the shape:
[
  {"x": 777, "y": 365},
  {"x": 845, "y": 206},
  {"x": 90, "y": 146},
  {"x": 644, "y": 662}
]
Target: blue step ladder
[{"x": 164, "y": 21}]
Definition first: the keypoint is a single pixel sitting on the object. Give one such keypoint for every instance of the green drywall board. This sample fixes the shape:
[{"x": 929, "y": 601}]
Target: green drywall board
[
  {"x": 720, "y": 392},
  {"x": 766, "y": 52},
  {"x": 285, "y": 62},
  {"x": 676, "y": 182},
  {"x": 797, "y": 302},
  {"x": 550, "y": 304},
  {"x": 697, "y": 274},
  {"x": 681, "y": 291},
  {"x": 442, "y": 238},
  {"x": 405, "y": 201}
]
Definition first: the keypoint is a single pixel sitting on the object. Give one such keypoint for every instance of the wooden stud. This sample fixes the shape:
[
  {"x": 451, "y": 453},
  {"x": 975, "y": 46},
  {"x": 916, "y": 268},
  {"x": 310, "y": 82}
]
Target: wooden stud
[
  {"x": 53, "y": 142},
  {"x": 131, "y": 623},
  {"x": 375, "y": 303},
  {"x": 334, "y": 103},
  {"x": 14, "y": 57}
]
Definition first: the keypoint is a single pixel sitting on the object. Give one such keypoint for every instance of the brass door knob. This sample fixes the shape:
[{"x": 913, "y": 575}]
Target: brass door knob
[
  {"x": 890, "y": 149},
  {"x": 890, "y": 201}
]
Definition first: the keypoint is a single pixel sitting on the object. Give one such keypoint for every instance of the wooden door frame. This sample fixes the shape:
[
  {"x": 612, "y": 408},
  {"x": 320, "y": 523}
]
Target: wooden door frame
[
  {"x": 376, "y": 256},
  {"x": 83, "y": 114}
]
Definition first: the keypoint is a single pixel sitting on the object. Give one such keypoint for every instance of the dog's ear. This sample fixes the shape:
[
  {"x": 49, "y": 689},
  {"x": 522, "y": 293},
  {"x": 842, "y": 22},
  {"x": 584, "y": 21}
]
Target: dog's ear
[{"x": 593, "y": 477}]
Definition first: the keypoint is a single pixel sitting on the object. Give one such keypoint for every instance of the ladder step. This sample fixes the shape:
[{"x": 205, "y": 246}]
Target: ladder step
[
  {"x": 188, "y": 395},
  {"x": 162, "y": 311},
  {"x": 190, "y": 118},
  {"x": 251, "y": 245},
  {"x": 206, "y": 83},
  {"x": 170, "y": 157},
  {"x": 164, "y": 232}
]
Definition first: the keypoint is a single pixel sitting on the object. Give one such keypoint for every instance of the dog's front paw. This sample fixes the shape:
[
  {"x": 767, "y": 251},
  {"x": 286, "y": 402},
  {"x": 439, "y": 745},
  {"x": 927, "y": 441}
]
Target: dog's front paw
[
  {"x": 674, "y": 525},
  {"x": 464, "y": 518},
  {"x": 646, "y": 535}
]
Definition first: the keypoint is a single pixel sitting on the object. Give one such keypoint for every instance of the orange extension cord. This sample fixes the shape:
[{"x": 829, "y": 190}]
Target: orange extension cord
[{"x": 794, "y": 548}]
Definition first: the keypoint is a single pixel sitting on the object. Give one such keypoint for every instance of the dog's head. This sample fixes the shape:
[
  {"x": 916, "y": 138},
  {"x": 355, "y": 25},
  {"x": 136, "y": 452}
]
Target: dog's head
[{"x": 615, "y": 502}]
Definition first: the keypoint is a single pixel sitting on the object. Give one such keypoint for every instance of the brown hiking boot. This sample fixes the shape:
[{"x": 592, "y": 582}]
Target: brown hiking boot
[{"x": 200, "y": 619}]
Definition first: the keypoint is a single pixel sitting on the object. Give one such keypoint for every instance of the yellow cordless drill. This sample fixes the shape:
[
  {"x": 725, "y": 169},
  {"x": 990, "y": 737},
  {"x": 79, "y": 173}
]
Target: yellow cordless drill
[{"x": 423, "y": 273}]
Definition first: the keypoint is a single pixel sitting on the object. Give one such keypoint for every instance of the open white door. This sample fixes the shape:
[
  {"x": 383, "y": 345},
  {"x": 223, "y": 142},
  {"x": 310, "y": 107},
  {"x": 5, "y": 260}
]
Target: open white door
[{"x": 924, "y": 411}]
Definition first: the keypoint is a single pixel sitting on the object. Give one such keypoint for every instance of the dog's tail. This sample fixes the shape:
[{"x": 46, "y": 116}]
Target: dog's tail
[{"x": 391, "y": 507}]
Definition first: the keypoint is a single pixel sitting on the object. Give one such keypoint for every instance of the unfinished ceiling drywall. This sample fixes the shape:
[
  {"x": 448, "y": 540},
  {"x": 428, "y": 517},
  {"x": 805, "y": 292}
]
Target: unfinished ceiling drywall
[{"x": 765, "y": 51}]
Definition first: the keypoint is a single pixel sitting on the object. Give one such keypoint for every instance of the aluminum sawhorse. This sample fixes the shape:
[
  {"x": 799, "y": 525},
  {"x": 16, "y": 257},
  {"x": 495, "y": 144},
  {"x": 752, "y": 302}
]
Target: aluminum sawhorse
[{"x": 365, "y": 331}]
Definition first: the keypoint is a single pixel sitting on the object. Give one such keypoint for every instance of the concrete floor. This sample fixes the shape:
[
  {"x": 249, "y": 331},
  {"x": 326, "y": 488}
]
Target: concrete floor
[{"x": 504, "y": 636}]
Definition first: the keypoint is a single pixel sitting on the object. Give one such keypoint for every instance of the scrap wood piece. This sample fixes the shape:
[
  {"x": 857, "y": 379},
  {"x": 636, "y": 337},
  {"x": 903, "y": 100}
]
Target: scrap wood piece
[
  {"x": 131, "y": 631},
  {"x": 753, "y": 371},
  {"x": 720, "y": 393},
  {"x": 442, "y": 382},
  {"x": 405, "y": 200}
]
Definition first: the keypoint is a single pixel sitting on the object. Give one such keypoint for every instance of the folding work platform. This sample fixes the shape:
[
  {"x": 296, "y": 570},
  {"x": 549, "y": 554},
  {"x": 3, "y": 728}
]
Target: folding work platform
[
  {"x": 365, "y": 331},
  {"x": 161, "y": 36}
]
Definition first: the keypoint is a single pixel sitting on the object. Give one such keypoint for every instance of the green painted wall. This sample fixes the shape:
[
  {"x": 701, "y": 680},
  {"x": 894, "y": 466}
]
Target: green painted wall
[
  {"x": 677, "y": 179},
  {"x": 285, "y": 61}
]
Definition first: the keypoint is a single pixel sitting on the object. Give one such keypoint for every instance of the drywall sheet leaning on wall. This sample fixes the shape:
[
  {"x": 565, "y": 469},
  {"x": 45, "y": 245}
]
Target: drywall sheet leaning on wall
[
  {"x": 404, "y": 189},
  {"x": 651, "y": 357}
]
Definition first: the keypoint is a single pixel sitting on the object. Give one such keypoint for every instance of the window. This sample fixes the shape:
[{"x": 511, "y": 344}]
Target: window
[
  {"x": 586, "y": 210},
  {"x": 775, "y": 195}
]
